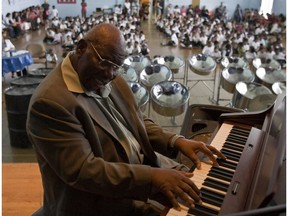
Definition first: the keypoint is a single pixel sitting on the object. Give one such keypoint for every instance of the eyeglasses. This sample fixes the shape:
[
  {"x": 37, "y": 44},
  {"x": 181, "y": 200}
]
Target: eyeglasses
[{"x": 102, "y": 60}]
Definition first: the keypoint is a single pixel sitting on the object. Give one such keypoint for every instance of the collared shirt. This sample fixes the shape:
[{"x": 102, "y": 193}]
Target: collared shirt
[{"x": 118, "y": 123}]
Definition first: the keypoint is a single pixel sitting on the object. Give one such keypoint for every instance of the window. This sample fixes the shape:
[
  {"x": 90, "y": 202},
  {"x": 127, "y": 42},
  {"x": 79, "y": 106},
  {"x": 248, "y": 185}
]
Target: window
[{"x": 266, "y": 7}]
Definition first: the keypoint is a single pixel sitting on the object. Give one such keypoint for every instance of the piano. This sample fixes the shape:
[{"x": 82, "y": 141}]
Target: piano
[{"x": 252, "y": 180}]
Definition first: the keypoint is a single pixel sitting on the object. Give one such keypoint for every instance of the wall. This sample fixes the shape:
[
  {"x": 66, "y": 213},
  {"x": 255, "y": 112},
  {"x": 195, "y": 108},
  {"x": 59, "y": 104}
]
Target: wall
[
  {"x": 75, "y": 9},
  {"x": 64, "y": 9},
  {"x": 211, "y": 5},
  {"x": 17, "y": 5},
  {"x": 279, "y": 7}
]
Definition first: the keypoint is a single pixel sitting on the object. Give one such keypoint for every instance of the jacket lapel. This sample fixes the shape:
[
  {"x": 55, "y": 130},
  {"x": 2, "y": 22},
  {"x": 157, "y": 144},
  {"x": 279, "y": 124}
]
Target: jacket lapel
[{"x": 96, "y": 113}]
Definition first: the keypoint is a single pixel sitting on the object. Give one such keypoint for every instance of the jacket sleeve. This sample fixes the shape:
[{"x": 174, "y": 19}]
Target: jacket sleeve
[{"x": 60, "y": 141}]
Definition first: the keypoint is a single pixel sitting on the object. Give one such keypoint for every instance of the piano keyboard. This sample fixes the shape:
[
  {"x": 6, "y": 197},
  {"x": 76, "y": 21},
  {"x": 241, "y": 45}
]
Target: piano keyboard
[{"x": 214, "y": 182}]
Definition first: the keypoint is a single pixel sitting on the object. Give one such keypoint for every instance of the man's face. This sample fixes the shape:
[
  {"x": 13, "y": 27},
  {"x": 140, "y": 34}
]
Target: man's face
[{"x": 94, "y": 71}]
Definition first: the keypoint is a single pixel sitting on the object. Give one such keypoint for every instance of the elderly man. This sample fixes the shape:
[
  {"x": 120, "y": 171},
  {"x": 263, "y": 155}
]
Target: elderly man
[{"x": 98, "y": 154}]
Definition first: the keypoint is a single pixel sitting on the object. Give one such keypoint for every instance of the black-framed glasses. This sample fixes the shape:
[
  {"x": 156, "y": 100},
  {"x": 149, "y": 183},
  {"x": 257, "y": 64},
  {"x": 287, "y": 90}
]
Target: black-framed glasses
[{"x": 102, "y": 60}]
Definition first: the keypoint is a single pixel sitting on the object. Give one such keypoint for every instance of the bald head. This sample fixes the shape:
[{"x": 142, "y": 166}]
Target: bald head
[{"x": 108, "y": 39}]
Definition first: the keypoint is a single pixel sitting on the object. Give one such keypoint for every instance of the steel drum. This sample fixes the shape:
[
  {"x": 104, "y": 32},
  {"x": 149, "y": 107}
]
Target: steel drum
[
  {"x": 26, "y": 81},
  {"x": 169, "y": 98},
  {"x": 279, "y": 88},
  {"x": 138, "y": 62},
  {"x": 140, "y": 93},
  {"x": 266, "y": 63},
  {"x": 252, "y": 96},
  {"x": 232, "y": 75},
  {"x": 153, "y": 74},
  {"x": 233, "y": 62},
  {"x": 40, "y": 72},
  {"x": 268, "y": 76},
  {"x": 202, "y": 64},
  {"x": 128, "y": 73},
  {"x": 175, "y": 64}
]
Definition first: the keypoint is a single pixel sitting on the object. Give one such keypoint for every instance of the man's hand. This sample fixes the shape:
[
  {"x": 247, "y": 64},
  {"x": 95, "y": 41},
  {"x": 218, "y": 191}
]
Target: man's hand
[
  {"x": 174, "y": 184},
  {"x": 190, "y": 148}
]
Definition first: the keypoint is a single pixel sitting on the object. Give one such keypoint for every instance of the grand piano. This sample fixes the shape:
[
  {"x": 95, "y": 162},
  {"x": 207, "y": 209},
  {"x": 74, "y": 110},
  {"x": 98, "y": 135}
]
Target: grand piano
[{"x": 252, "y": 181}]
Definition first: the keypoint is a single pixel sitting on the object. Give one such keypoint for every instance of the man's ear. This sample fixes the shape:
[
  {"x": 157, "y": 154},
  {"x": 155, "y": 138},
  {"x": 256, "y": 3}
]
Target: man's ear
[{"x": 81, "y": 47}]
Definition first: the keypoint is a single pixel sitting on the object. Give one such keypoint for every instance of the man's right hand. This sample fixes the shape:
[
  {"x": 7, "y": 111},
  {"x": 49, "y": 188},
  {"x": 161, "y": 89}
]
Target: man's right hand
[{"x": 175, "y": 184}]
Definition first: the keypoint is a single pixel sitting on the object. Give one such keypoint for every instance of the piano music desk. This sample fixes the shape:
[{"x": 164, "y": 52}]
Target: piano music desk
[{"x": 22, "y": 191}]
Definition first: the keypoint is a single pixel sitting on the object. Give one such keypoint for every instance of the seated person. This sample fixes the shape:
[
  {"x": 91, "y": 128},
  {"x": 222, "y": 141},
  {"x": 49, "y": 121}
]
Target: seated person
[
  {"x": 173, "y": 41},
  {"x": 49, "y": 37}
]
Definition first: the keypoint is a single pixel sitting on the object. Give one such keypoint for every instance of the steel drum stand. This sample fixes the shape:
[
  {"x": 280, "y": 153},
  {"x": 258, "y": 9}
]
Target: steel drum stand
[
  {"x": 216, "y": 101},
  {"x": 201, "y": 80}
]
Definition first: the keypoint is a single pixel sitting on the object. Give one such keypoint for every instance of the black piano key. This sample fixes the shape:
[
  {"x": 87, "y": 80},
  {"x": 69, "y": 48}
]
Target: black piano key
[
  {"x": 237, "y": 140},
  {"x": 234, "y": 153},
  {"x": 233, "y": 147},
  {"x": 210, "y": 198},
  {"x": 216, "y": 184},
  {"x": 219, "y": 175},
  {"x": 230, "y": 155},
  {"x": 201, "y": 210},
  {"x": 226, "y": 164},
  {"x": 218, "y": 196},
  {"x": 224, "y": 171},
  {"x": 237, "y": 143},
  {"x": 237, "y": 153},
  {"x": 237, "y": 136},
  {"x": 240, "y": 132}
]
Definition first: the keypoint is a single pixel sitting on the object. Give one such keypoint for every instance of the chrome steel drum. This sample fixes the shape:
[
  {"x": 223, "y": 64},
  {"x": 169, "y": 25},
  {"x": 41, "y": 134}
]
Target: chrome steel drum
[
  {"x": 266, "y": 63},
  {"x": 153, "y": 74},
  {"x": 26, "y": 81},
  {"x": 141, "y": 94},
  {"x": 233, "y": 62},
  {"x": 202, "y": 64},
  {"x": 40, "y": 72},
  {"x": 129, "y": 73},
  {"x": 268, "y": 76},
  {"x": 252, "y": 96},
  {"x": 138, "y": 62},
  {"x": 175, "y": 64},
  {"x": 232, "y": 75},
  {"x": 169, "y": 98},
  {"x": 279, "y": 88}
]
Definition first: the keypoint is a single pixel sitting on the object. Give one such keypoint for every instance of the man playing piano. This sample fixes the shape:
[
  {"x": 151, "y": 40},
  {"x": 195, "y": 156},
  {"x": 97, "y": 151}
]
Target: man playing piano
[{"x": 97, "y": 153}]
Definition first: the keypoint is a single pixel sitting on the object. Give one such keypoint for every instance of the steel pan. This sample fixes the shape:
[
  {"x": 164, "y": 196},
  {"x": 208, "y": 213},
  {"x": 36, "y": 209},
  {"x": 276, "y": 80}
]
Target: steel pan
[
  {"x": 252, "y": 96},
  {"x": 26, "y": 81},
  {"x": 175, "y": 63},
  {"x": 140, "y": 93},
  {"x": 232, "y": 75},
  {"x": 153, "y": 74},
  {"x": 40, "y": 72},
  {"x": 233, "y": 62},
  {"x": 128, "y": 73},
  {"x": 202, "y": 64},
  {"x": 169, "y": 98},
  {"x": 138, "y": 62},
  {"x": 279, "y": 87},
  {"x": 268, "y": 76},
  {"x": 266, "y": 63}
]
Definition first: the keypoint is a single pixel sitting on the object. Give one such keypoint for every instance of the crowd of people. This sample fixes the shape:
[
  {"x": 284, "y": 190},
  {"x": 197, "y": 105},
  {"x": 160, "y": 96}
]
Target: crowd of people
[{"x": 246, "y": 33}]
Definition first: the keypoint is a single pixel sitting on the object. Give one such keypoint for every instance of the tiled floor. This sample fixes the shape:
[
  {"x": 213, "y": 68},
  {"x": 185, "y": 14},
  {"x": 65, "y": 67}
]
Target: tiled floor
[{"x": 199, "y": 93}]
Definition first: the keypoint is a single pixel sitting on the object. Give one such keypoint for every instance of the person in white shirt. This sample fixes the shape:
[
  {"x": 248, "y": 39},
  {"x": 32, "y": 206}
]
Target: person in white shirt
[
  {"x": 208, "y": 49},
  {"x": 250, "y": 54},
  {"x": 127, "y": 7},
  {"x": 7, "y": 45},
  {"x": 54, "y": 12},
  {"x": 174, "y": 41}
]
